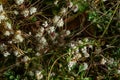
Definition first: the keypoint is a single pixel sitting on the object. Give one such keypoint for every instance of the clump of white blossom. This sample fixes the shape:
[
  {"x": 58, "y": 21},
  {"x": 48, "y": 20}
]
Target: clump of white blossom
[
  {"x": 85, "y": 66},
  {"x": 25, "y": 12},
  {"x": 63, "y": 10},
  {"x": 33, "y": 10},
  {"x": 6, "y": 54},
  {"x": 18, "y": 37},
  {"x": 75, "y": 8},
  {"x": 78, "y": 52},
  {"x": 103, "y": 61},
  {"x": 57, "y": 20},
  {"x": 39, "y": 75},
  {"x": 17, "y": 53},
  {"x": 19, "y": 2},
  {"x": 15, "y": 12},
  {"x": 25, "y": 59},
  {"x": 50, "y": 33},
  {"x": 1, "y": 8},
  {"x": 70, "y": 4},
  {"x": 45, "y": 24},
  {"x": 56, "y": 2}
]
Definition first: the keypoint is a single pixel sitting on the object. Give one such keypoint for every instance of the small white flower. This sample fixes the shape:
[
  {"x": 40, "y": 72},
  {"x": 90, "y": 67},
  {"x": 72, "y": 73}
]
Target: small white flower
[
  {"x": 56, "y": 2},
  {"x": 90, "y": 46},
  {"x": 39, "y": 34},
  {"x": 75, "y": 9},
  {"x": 51, "y": 29},
  {"x": 84, "y": 50},
  {"x": 70, "y": 5},
  {"x": 60, "y": 23},
  {"x": 30, "y": 33},
  {"x": 8, "y": 25},
  {"x": 16, "y": 53},
  {"x": 19, "y": 2},
  {"x": 103, "y": 61},
  {"x": 85, "y": 66},
  {"x": 31, "y": 73},
  {"x": 3, "y": 47},
  {"x": 10, "y": 42},
  {"x": 2, "y": 17},
  {"x": 56, "y": 19},
  {"x": 72, "y": 45},
  {"x": 39, "y": 75},
  {"x": 16, "y": 12},
  {"x": 33, "y": 10},
  {"x": 68, "y": 32},
  {"x": 18, "y": 37},
  {"x": 77, "y": 56},
  {"x": 42, "y": 29},
  {"x": 86, "y": 40},
  {"x": 71, "y": 64},
  {"x": 1, "y": 8},
  {"x": 86, "y": 55},
  {"x": 111, "y": 61},
  {"x": 45, "y": 24},
  {"x": 80, "y": 42},
  {"x": 63, "y": 10},
  {"x": 6, "y": 53},
  {"x": 25, "y": 13},
  {"x": 25, "y": 59},
  {"x": 52, "y": 74},
  {"x": 43, "y": 41},
  {"x": 37, "y": 54},
  {"x": 118, "y": 71},
  {"x": 7, "y": 33}
]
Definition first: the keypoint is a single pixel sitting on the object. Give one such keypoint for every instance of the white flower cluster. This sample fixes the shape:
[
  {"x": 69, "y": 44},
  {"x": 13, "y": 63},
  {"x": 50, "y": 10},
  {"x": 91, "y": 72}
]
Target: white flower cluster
[
  {"x": 7, "y": 25},
  {"x": 3, "y": 47},
  {"x": 27, "y": 12},
  {"x": 18, "y": 37},
  {"x": 75, "y": 8},
  {"x": 17, "y": 53},
  {"x": 2, "y": 14},
  {"x": 58, "y": 21},
  {"x": 103, "y": 61},
  {"x": 45, "y": 24},
  {"x": 75, "y": 50},
  {"x": 33, "y": 10},
  {"x": 25, "y": 59},
  {"x": 71, "y": 64},
  {"x": 1, "y": 8},
  {"x": 63, "y": 11},
  {"x": 70, "y": 4},
  {"x": 85, "y": 52},
  {"x": 6, "y": 54},
  {"x": 39, "y": 75},
  {"x": 85, "y": 66},
  {"x": 19, "y": 2}
]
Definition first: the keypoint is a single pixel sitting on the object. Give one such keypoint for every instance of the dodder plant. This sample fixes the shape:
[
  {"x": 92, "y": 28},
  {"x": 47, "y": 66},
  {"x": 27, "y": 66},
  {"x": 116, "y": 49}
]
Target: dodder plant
[{"x": 52, "y": 39}]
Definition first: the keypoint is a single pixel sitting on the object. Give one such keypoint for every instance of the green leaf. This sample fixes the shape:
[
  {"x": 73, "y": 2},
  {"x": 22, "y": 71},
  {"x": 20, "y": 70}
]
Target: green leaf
[
  {"x": 18, "y": 26},
  {"x": 81, "y": 68},
  {"x": 34, "y": 19},
  {"x": 11, "y": 77}
]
